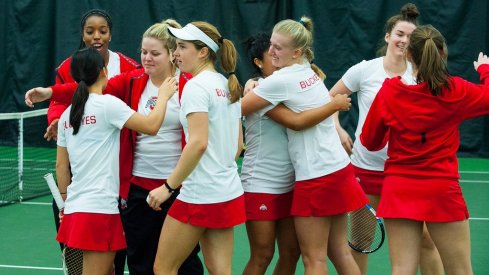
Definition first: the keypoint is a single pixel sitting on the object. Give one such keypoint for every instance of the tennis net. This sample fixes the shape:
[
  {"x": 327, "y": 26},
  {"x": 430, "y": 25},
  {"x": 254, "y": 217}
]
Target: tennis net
[{"x": 25, "y": 156}]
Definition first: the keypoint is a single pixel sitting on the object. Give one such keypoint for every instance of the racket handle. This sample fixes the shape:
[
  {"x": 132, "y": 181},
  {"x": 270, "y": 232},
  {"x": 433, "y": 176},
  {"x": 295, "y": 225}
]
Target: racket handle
[{"x": 55, "y": 191}]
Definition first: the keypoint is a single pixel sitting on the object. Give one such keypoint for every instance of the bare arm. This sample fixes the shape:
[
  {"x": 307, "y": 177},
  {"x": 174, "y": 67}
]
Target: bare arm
[
  {"x": 346, "y": 141},
  {"x": 339, "y": 88},
  {"x": 309, "y": 118},
  {"x": 240, "y": 141},
  {"x": 345, "y": 138},
  {"x": 198, "y": 128},
  {"x": 38, "y": 94},
  {"x": 252, "y": 103},
  {"x": 62, "y": 170},
  {"x": 151, "y": 124}
]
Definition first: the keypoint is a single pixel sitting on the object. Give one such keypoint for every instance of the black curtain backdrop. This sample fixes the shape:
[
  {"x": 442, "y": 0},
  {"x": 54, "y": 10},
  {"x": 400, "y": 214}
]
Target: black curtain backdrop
[{"x": 38, "y": 34}]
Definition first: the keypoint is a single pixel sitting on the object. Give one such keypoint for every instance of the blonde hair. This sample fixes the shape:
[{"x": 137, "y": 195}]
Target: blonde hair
[
  {"x": 227, "y": 54},
  {"x": 301, "y": 34},
  {"x": 428, "y": 52},
  {"x": 160, "y": 31}
]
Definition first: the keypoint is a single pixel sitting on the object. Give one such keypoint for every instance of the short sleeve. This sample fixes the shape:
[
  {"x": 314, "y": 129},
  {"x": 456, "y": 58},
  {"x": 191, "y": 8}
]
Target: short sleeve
[
  {"x": 272, "y": 89},
  {"x": 195, "y": 99},
  {"x": 353, "y": 76},
  {"x": 117, "y": 112}
]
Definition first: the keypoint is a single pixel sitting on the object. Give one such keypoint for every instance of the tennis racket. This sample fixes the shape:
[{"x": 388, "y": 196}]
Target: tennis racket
[
  {"x": 71, "y": 258},
  {"x": 365, "y": 231}
]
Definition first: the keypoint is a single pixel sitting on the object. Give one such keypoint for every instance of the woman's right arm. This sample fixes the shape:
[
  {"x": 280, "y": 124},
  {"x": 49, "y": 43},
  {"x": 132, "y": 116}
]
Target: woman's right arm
[
  {"x": 375, "y": 132},
  {"x": 63, "y": 93}
]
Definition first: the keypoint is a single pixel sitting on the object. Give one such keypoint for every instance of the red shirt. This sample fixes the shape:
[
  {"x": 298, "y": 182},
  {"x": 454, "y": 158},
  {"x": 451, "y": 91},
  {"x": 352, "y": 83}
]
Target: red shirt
[
  {"x": 63, "y": 75},
  {"x": 422, "y": 129}
]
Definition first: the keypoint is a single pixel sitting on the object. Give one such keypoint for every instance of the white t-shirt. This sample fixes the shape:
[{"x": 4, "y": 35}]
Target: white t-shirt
[
  {"x": 114, "y": 65},
  {"x": 366, "y": 78},
  {"x": 215, "y": 179},
  {"x": 316, "y": 151},
  {"x": 267, "y": 167},
  {"x": 94, "y": 154},
  {"x": 155, "y": 157}
]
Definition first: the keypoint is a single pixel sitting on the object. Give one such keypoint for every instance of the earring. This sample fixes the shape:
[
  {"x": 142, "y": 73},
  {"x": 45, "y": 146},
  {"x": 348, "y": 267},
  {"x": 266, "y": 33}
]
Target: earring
[{"x": 259, "y": 66}]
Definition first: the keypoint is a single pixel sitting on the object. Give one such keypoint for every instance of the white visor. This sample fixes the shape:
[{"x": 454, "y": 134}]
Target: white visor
[{"x": 191, "y": 32}]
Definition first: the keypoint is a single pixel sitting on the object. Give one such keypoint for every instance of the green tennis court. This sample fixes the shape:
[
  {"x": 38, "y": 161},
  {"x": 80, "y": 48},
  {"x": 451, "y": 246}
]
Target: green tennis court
[{"x": 28, "y": 246}]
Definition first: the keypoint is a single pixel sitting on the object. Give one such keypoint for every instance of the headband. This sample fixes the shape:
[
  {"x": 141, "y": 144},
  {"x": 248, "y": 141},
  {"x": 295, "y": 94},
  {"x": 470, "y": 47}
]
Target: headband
[{"x": 191, "y": 32}]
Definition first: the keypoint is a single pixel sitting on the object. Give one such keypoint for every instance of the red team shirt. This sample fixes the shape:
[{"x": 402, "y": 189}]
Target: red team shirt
[{"x": 421, "y": 172}]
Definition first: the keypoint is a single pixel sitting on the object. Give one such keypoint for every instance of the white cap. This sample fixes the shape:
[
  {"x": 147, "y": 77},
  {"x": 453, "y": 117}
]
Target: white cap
[{"x": 191, "y": 32}]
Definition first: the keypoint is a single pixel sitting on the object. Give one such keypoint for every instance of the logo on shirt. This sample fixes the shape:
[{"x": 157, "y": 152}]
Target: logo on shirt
[
  {"x": 263, "y": 207},
  {"x": 221, "y": 92},
  {"x": 85, "y": 121},
  {"x": 151, "y": 103},
  {"x": 309, "y": 81}
]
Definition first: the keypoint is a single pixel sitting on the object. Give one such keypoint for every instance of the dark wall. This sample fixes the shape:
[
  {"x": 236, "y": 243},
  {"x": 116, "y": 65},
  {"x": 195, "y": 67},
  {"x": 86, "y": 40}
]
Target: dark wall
[{"x": 38, "y": 34}]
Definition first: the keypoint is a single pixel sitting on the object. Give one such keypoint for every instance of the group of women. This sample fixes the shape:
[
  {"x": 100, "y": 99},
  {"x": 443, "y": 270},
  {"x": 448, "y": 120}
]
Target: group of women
[{"x": 297, "y": 183}]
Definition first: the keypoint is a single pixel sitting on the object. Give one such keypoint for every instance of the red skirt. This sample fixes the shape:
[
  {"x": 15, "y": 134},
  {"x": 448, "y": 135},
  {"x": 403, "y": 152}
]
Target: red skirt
[
  {"x": 429, "y": 200},
  {"x": 92, "y": 231},
  {"x": 329, "y": 195},
  {"x": 267, "y": 207},
  {"x": 213, "y": 215},
  {"x": 371, "y": 181}
]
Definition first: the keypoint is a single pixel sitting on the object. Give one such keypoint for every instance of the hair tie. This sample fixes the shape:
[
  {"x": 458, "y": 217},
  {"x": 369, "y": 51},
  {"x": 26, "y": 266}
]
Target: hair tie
[
  {"x": 231, "y": 73},
  {"x": 302, "y": 22},
  {"x": 311, "y": 62},
  {"x": 220, "y": 40}
]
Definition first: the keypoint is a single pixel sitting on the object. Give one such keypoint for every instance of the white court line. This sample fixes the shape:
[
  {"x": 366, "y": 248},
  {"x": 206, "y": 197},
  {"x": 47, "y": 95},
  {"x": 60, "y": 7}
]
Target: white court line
[
  {"x": 473, "y": 172},
  {"x": 37, "y": 267},
  {"x": 479, "y": 219},
  {"x": 36, "y": 203},
  {"x": 31, "y": 267},
  {"x": 474, "y": 181}
]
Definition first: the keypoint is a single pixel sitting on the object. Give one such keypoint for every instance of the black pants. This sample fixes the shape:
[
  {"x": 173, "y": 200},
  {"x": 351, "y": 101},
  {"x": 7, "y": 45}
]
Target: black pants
[
  {"x": 142, "y": 227},
  {"x": 120, "y": 256}
]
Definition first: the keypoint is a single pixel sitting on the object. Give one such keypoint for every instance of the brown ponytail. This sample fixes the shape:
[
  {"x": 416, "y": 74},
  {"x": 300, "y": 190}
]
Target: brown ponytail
[
  {"x": 227, "y": 54},
  {"x": 86, "y": 65},
  {"x": 428, "y": 52}
]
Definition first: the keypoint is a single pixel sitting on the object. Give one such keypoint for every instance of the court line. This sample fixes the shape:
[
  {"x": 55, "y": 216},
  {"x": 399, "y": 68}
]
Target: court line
[
  {"x": 36, "y": 203},
  {"x": 474, "y": 181},
  {"x": 479, "y": 219},
  {"x": 473, "y": 172},
  {"x": 37, "y": 267},
  {"x": 30, "y": 267}
]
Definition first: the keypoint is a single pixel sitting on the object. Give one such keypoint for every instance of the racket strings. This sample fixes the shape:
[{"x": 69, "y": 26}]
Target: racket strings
[
  {"x": 364, "y": 230},
  {"x": 73, "y": 261}
]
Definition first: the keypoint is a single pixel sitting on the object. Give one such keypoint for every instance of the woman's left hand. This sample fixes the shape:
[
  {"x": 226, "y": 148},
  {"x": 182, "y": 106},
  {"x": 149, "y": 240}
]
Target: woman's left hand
[
  {"x": 158, "y": 196},
  {"x": 482, "y": 59}
]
